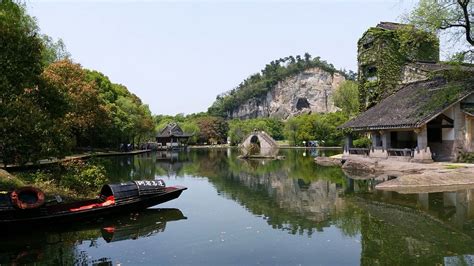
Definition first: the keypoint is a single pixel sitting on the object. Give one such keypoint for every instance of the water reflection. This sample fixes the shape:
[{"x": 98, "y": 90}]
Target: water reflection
[
  {"x": 292, "y": 197},
  {"x": 58, "y": 246},
  {"x": 299, "y": 197}
]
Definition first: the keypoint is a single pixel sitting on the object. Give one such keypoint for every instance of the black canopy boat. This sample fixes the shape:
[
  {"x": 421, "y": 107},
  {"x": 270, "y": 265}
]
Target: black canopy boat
[{"x": 27, "y": 206}]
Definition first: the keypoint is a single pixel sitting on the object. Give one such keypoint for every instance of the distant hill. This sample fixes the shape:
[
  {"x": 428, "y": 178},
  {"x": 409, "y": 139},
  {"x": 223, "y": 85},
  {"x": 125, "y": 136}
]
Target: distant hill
[{"x": 284, "y": 88}]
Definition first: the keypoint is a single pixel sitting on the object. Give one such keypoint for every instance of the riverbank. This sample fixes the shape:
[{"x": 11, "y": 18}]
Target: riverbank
[
  {"x": 81, "y": 156},
  {"x": 222, "y": 146},
  {"x": 406, "y": 177}
]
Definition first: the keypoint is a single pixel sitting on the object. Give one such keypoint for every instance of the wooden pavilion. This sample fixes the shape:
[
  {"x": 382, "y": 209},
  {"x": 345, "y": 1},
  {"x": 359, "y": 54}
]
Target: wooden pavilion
[{"x": 172, "y": 137}]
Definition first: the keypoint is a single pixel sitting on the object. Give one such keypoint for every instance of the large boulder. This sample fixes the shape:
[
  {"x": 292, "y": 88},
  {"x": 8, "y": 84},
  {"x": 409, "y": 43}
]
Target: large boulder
[
  {"x": 328, "y": 161},
  {"x": 360, "y": 164}
]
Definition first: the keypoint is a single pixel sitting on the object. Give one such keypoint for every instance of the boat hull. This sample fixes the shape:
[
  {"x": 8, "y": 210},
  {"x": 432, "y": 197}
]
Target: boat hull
[{"x": 36, "y": 218}]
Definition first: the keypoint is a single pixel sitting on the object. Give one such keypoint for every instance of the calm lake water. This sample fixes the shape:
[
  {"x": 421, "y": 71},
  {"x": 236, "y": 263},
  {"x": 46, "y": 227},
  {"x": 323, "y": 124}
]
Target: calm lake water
[{"x": 287, "y": 212}]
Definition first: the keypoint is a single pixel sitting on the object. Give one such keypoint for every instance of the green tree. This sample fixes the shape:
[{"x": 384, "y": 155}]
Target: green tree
[
  {"x": 320, "y": 127},
  {"x": 85, "y": 110},
  {"x": 346, "y": 97},
  {"x": 454, "y": 19},
  {"x": 30, "y": 112},
  {"x": 212, "y": 130},
  {"x": 53, "y": 50},
  {"x": 191, "y": 127}
]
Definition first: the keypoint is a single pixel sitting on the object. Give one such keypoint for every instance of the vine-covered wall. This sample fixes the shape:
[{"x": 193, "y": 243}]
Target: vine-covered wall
[{"x": 382, "y": 53}]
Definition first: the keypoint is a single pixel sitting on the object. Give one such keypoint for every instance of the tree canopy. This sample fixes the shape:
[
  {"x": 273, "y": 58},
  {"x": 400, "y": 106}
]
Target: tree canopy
[
  {"x": 50, "y": 105},
  {"x": 454, "y": 19},
  {"x": 346, "y": 97}
]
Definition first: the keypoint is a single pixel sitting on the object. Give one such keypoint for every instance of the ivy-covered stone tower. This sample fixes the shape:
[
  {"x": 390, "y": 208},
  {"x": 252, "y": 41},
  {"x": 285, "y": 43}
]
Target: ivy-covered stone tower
[{"x": 383, "y": 53}]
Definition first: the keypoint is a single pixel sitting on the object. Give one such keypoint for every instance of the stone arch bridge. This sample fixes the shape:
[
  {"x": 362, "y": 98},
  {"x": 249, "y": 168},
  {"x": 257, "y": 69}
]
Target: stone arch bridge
[{"x": 267, "y": 145}]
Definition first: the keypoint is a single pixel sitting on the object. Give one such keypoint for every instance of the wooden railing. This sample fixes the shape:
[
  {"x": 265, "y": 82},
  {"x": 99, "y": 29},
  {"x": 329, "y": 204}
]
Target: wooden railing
[
  {"x": 400, "y": 152},
  {"x": 359, "y": 151}
]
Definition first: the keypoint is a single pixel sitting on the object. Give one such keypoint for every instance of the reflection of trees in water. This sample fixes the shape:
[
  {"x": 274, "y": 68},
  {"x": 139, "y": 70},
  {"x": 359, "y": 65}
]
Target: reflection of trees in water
[
  {"x": 292, "y": 194},
  {"x": 143, "y": 166},
  {"x": 59, "y": 245},
  {"x": 297, "y": 196}
]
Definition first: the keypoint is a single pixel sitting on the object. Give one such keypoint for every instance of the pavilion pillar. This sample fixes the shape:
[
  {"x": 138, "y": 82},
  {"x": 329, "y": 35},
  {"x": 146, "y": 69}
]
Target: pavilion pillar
[
  {"x": 423, "y": 152},
  {"x": 385, "y": 139},
  {"x": 373, "y": 138},
  {"x": 422, "y": 137},
  {"x": 348, "y": 142}
]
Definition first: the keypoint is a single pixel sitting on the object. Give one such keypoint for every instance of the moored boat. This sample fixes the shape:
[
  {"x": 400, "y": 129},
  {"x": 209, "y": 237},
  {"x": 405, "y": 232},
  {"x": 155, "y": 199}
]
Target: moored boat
[{"x": 27, "y": 206}]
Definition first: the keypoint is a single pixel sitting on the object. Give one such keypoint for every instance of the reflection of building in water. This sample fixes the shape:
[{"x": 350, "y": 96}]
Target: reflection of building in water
[
  {"x": 170, "y": 163},
  {"x": 455, "y": 208},
  {"x": 169, "y": 155},
  {"x": 313, "y": 201},
  {"x": 169, "y": 168}
]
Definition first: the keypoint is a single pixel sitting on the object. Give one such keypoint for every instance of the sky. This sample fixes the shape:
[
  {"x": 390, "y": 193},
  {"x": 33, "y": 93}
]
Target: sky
[{"x": 177, "y": 56}]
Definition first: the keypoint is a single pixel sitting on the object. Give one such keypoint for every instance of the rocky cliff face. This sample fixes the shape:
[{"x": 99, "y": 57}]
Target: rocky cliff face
[{"x": 307, "y": 92}]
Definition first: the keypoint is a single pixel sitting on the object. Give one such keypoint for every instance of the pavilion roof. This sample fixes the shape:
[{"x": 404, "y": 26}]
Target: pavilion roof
[{"x": 172, "y": 130}]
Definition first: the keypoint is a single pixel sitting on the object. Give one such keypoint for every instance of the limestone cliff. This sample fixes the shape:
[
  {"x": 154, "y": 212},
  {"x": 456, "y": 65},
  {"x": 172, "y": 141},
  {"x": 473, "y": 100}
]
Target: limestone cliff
[{"x": 309, "y": 91}]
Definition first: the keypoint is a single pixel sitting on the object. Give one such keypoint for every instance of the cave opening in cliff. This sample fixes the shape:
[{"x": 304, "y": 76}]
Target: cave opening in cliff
[{"x": 302, "y": 103}]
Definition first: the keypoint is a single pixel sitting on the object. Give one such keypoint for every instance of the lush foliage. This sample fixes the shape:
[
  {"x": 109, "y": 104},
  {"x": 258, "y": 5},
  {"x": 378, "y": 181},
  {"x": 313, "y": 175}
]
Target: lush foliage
[
  {"x": 72, "y": 179},
  {"x": 53, "y": 50},
  {"x": 382, "y": 55},
  {"x": 27, "y": 120},
  {"x": 50, "y": 105},
  {"x": 363, "y": 142},
  {"x": 451, "y": 18},
  {"x": 212, "y": 130},
  {"x": 346, "y": 97},
  {"x": 320, "y": 127},
  {"x": 239, "y": 129},
  {"x": 83, "y": 177},
  {"x": 260, "y": 83}
]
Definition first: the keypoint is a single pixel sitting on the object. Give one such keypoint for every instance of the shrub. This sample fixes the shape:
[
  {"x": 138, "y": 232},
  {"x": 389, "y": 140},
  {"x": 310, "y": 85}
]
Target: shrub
[
  {"x": 362, "y": 143},
  {"x": 83, "y": 177},
  {"x": 466, "y": 157}
]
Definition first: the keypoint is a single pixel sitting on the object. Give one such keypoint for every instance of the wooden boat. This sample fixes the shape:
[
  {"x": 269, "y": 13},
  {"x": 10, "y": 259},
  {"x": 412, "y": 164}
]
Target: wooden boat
[{"x": 26, "y": 206}]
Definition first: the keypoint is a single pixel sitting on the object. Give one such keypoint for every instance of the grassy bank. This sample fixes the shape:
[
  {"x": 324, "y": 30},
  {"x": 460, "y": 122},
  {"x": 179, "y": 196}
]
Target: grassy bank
[{"x": 72, "y": 180}]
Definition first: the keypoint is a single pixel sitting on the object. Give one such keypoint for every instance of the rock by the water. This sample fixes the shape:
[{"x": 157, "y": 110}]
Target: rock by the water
[
  {"x": 328, "y": 161},
  {"x": 360, "y": 164}
]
